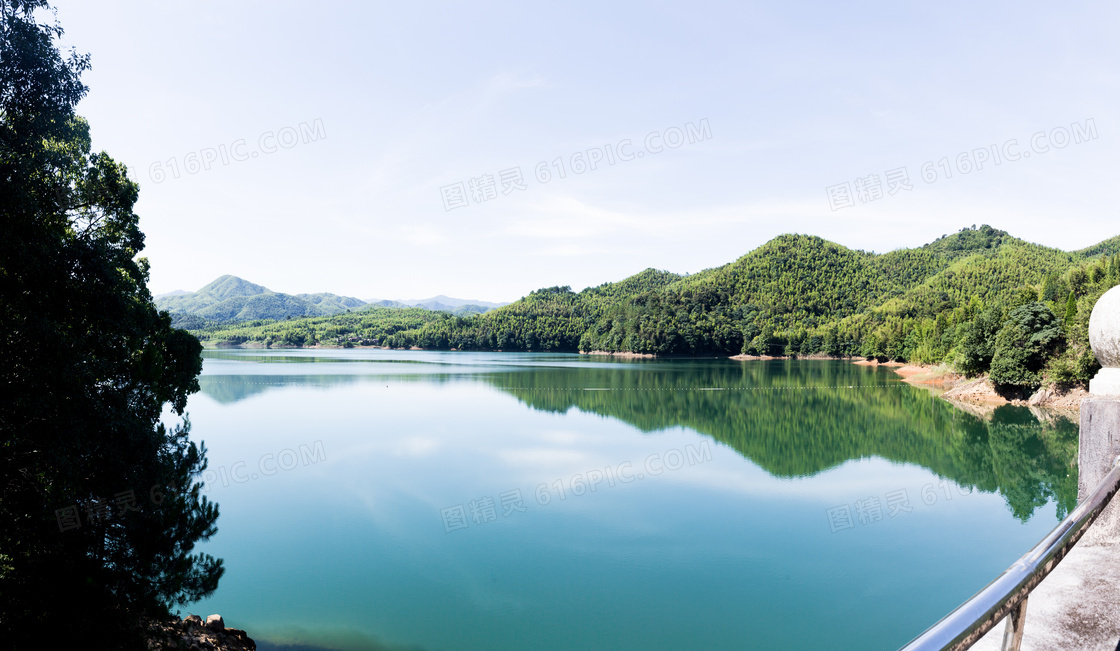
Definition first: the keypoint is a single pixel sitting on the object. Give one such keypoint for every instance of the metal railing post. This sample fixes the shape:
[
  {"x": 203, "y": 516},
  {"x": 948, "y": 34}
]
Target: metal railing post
[{"x": 1016, "y": 620}]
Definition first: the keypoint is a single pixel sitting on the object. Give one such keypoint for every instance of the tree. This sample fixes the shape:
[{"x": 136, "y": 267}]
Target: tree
[
  {"x": 832, "y": 344},
  {"x": 101, "y": 508},
  {"x": 1030, "y": 334},
  {"x": 1052, "y": 288},
  {"x": 1071, "y": 310},
  {"x": 1024, "y": 296},
  {"x": 1078, "y": 279},
  {"x": 1097, "y": 273},
  {"x": 978, "y": 342}
]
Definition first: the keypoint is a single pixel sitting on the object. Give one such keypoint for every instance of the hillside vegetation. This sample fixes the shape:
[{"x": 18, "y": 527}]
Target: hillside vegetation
[
  {"x": 978, "y": 300},
  {"x": 229, "y": 299},
  {"x": 367, "y": 326}
]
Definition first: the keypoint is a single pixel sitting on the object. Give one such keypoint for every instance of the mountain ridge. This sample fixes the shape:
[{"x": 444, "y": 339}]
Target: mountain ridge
[
  {"x": 231, "y": 299},
  {"x": 940, "y": 303},
  {"x": 441, "y": 299}
]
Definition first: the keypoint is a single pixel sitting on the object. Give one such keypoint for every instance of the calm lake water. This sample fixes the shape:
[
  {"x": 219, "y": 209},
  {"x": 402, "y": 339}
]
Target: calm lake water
[{"x": 376, "y": 499}]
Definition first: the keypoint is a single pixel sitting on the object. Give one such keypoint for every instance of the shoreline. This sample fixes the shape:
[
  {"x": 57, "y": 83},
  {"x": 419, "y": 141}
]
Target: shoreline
[
  {"x": 957, "y": 388},
  {"x": 619, "y": 354},
  {"x": 979, "y": 391}
]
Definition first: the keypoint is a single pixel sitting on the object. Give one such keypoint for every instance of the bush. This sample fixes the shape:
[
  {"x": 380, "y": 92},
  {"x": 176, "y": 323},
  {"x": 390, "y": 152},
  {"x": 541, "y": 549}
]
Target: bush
[
  {"x": 1061, "y": 371},
  {"x": 1031, "y": 333},
  {"x": 978, "y": 342}
]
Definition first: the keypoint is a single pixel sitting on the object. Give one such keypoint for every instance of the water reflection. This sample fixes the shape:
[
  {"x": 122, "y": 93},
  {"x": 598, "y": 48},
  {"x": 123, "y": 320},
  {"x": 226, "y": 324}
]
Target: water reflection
[{"x": 793, "y": 419}]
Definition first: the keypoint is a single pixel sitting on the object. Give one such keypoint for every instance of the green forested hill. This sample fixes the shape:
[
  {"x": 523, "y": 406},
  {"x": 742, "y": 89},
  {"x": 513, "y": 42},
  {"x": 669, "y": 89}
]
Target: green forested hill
[
  {"x": 798, "y": 294},
  {"x": 230, "y": 298},
  {"x": 361, "y": 327},
  {"x": 1110, "y": 246}
]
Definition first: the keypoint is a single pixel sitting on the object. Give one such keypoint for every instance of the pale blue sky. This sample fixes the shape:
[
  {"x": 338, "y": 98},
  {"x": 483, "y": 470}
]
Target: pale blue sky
[{"x": 412, "y": 97}]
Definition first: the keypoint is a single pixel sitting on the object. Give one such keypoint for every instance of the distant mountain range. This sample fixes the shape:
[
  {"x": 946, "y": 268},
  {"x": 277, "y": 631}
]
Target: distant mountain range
[
  {"x": 230, "y": 299},
  {"x": 441, "y": 303}
]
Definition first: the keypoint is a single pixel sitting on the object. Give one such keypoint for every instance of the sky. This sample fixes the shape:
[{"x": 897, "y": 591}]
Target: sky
[{"x": 482, "y": 150}]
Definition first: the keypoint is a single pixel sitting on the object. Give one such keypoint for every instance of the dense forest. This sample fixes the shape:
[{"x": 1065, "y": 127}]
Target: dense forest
[
  {"x": 979, "y": 301},
  {"x": 365, "y": 327}
]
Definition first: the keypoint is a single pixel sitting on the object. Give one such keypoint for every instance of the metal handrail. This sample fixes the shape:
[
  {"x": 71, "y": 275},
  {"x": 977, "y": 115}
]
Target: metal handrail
[{"x": 1007, "y": 595}]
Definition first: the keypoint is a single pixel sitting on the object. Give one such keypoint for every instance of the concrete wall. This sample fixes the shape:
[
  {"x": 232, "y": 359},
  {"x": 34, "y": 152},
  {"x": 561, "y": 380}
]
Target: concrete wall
[{"x": 1099, "y": 445}]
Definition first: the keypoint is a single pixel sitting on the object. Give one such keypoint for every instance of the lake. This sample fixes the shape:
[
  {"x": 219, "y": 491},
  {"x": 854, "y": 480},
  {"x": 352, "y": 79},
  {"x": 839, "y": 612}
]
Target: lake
[{"x": 375, "y": 500}]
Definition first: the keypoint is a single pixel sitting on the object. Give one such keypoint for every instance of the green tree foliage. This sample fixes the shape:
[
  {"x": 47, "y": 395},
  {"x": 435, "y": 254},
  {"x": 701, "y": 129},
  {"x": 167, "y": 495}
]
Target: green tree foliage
[
  {"x": 1071, "y": 310},
  {"x": 366, "y": 326},
  {"x": 1023, "y": 345},
  {"x": 1078, "y": 280},
  {"x": 229, "y": 299},
  {"x": 977, "y": 341},
  {"x": 796, "y": 295},
  {"x": 1110, "y": 247},
  {"x": 88, "y": 365},
  {"x": 1053, "y": 289}
]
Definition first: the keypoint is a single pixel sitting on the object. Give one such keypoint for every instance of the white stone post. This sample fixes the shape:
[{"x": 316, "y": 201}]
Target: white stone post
[
  {"x": 1099, "y": 441},
  {"x": 1104, "y": 336}
]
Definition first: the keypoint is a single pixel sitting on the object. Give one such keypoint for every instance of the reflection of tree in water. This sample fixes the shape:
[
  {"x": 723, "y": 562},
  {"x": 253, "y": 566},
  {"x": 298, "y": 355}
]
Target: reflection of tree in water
[
  {"x": 793, "y": 419},
  {"x": 1033, "y": 462},
  {"x": 797, "y": 419},
  {"x": 228, "y": 389}
]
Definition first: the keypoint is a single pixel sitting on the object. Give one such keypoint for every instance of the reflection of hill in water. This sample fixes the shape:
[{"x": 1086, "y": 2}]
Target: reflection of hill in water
[
  {"x": 228, "y": 389},
  {"x": 798, "y": 419},
  {"x": 793, "y": 419}
]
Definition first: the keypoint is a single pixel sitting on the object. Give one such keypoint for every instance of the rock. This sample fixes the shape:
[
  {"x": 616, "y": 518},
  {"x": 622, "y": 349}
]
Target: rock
[{"x": 192, "y": 633}]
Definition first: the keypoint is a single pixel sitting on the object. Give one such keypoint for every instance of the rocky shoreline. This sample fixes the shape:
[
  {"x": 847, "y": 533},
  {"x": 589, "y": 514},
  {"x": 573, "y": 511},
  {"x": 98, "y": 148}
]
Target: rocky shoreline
[
  {"x": 194, "y": 634},
  {"x": 981, "y": 391}
]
